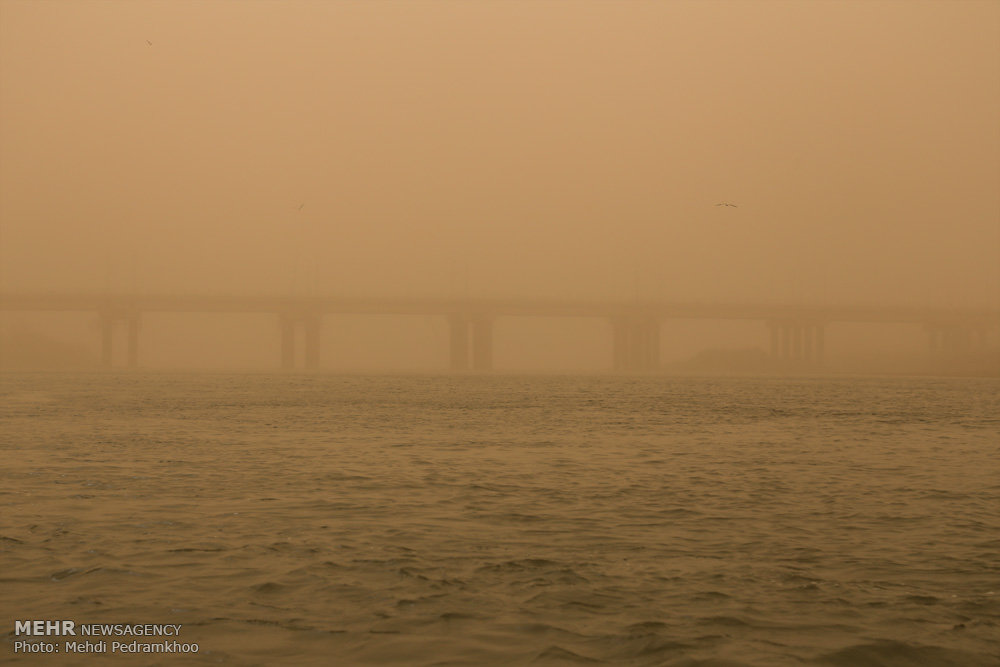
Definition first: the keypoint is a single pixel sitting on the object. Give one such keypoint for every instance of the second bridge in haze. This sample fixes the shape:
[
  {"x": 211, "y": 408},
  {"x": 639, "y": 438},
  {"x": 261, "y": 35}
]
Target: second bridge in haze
[{"x": 797, "y": 332}]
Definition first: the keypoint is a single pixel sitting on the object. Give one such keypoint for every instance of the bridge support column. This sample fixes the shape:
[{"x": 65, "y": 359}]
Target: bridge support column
[
  {"x": 773, "y": 330},
  {"x": 287, "y": 343},
  {"x": 313, "y": 327},
  {"x": 107, "y": 339},
  {"x": 620, "y": 344},
  {"x": 795, "y": 340},
  {"x": 650, "y": 343},
  {"x": 635, "y": 344},
  {"x": 933, "y": 339},
  {"x": 133, "y": 340},
  {"x": 109, "y": 319},
  {"x": 963, "y": 336},
  {"x": 458, "y": 343},
  {"x": 950, "y": 339},
  {"x": 636, "y": 347},
  {"x": 962, "y": 339},
  {"x": 482, "y": 344},
  {"x": 786, "y": 341},
  {"x": 979, "y": 337}
]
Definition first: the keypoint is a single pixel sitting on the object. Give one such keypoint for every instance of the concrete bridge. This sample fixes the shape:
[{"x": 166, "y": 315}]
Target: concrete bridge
[{"x": 797, "y": 332}]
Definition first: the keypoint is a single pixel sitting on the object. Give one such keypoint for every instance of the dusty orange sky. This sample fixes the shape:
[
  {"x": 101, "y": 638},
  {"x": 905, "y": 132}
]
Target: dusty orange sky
[{"x": 560, "y": 148}]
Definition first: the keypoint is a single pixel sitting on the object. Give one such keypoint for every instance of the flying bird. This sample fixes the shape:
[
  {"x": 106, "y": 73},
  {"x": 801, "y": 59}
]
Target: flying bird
[
  {"x": 725, "y": 203},
  {"x": 300, "y": 206},
  {"x": 149, "y": 42}
]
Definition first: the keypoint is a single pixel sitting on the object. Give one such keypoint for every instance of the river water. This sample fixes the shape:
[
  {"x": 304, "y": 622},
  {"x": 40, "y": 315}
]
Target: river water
[{"x": 494, "y": 520}]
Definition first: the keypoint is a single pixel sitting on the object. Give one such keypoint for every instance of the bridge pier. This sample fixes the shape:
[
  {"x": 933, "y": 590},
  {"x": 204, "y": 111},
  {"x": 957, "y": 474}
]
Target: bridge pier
[
  {"x": 287, "y": 343},
  {"x": 796, "y": 333},
  {"x": 458, "y": 341},
  {"x": 648, "y": 345},
  {"x": 470, "y": 334},
  {"x": 980, "y": 336},
  {"x": 636, "y": 347},
  {"x": 620, "y": 344},
  {"x": 635, "y": 344},
  {"x": 797, "y": 340},
  {"x": 133, "y": 341},
  {"x": 107, "y": 339},
  {"x": 786, "y": 341},
  {"x": 109, "y": 320},
  {"x": 954, "y": 339},
  {"x": 312, "y": 326},
  {"x": 482, "y": 344}
]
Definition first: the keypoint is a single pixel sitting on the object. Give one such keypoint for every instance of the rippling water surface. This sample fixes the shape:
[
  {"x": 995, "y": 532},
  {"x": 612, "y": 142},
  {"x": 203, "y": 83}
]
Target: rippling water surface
[{"x": 446, "y": 520}]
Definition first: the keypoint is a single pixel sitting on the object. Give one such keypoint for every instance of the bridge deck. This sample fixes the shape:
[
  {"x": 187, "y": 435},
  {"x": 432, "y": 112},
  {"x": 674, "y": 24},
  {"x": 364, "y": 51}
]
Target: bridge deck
[{"x": 493, "y": 307}]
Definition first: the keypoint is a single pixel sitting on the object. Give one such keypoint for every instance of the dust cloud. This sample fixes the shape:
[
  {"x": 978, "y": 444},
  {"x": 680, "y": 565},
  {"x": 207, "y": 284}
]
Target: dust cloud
[
  {"x": 411, "y": 332},
  {"x": 566, "y": 150}
]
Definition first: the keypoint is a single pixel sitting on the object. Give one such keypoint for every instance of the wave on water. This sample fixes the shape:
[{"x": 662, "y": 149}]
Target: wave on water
[{"x": 651, "y": 522}]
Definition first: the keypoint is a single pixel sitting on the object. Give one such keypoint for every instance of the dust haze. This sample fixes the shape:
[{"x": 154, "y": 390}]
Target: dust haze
[
  {"x": 488, "y": 149},
  {"x": 500, "y": 332}
]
